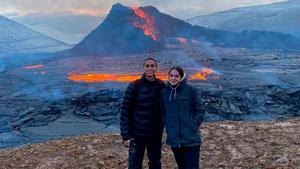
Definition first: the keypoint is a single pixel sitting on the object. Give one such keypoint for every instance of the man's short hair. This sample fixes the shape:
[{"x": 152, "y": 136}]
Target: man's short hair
[{"x": 149, "y": 59}]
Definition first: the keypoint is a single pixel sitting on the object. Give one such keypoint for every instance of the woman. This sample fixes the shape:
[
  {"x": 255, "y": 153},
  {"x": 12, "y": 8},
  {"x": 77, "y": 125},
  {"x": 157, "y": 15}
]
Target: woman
[{"x": 183, "y": 115}]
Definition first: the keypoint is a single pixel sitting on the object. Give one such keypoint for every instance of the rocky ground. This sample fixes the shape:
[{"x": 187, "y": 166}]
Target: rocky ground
[{"x": 226, "y": 144}]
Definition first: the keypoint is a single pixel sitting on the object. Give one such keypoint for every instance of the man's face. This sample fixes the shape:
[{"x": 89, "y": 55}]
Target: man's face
[{"x": 150, "y": 68}]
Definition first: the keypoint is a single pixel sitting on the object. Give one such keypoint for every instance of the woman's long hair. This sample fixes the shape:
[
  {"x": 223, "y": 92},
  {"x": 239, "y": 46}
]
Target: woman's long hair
[{"x": 178, "y": 69}]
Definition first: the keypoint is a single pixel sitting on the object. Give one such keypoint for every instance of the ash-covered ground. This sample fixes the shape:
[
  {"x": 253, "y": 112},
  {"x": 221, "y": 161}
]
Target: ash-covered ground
[{"x": 41, "y": 102}]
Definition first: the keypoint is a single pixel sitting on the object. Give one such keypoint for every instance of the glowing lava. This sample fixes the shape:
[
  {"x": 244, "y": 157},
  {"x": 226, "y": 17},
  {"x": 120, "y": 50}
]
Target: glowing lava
[
  {"x": 202, "y": 75},
  {"x": 181, "y": 40},
  {"x": 148, "y": 26},
  {"x": 33, "y": 66},
  {"x": 97, "y": 77}
]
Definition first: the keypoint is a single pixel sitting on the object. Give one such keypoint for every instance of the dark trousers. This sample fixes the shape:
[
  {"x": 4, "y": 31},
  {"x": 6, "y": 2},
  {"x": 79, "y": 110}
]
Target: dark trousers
[
  {"x": 187, "y": 157},
  {"x": 137, "y": 150}
]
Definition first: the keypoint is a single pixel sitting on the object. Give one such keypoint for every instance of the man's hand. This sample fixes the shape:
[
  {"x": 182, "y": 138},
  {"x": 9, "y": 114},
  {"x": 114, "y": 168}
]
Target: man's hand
[{"x": 127, "y": 142}]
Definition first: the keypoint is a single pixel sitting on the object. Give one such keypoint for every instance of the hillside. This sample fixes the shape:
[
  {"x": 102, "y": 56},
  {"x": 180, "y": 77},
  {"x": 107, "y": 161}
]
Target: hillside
[{"x": 16, "y": 38}]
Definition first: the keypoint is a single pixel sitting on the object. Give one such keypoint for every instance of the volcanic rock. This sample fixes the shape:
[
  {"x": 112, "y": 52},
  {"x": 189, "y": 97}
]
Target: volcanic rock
[{"x": 91, "y": 112}]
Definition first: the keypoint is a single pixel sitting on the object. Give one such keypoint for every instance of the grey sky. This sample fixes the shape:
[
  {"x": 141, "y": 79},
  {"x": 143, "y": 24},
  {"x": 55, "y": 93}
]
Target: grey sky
[{"x": 178, "y": 8}]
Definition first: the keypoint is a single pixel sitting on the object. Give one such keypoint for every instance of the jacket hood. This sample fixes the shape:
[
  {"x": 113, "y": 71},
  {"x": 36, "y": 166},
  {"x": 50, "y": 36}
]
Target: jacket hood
[{"x": 173, "y": 89}]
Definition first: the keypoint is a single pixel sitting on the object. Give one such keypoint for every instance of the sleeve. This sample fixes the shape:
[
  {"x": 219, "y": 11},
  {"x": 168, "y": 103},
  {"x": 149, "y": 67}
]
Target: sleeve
[
  {"x": 126, "y": 108},
  {"x": 198, "y": 106},
  {"x": 163, "y": 111},
  {"x": 163, "y": 84}
]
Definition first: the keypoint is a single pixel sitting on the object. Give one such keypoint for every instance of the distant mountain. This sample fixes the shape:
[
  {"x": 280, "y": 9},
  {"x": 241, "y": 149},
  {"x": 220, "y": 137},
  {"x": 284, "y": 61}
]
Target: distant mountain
[
  {"x": 278, "y": 17},
  {"x": 57, "y": 33},
  {"x": 16, "y": 38},
  {"x": 129, "y": 30},
  {"x": 62, "y": 26}
]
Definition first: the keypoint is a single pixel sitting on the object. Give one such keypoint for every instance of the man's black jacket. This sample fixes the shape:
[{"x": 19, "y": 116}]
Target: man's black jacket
[{"x": 140, "y": 110}]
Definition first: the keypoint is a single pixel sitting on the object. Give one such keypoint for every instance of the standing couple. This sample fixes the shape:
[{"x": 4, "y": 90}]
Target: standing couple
[{"x": 148, "y": 106}]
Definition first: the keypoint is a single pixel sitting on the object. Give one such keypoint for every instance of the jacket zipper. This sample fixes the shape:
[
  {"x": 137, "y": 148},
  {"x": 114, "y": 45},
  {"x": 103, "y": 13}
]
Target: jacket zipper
[{"x": 179, "y": 123}]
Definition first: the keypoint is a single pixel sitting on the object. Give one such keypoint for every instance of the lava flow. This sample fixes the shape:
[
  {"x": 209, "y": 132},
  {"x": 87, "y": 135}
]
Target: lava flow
[
  {"x": 202, "y": 75},
  {"x": 34, "y": 66},
  {"x": 148, "y": 26},
  {"x": 98, "y": 77},
  {"x": 181, "y": 40}
]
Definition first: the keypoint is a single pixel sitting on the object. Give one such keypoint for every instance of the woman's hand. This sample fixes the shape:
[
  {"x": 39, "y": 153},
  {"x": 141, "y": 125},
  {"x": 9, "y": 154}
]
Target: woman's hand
[{"x": 127, "y": 142}]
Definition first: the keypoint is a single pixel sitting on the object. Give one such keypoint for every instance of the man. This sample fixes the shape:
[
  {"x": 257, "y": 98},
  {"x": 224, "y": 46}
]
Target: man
[{"x": 141, "y": 119}]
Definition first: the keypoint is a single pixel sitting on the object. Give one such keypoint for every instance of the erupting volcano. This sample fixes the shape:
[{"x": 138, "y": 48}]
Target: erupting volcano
[
  {"x": 125, "y": 30},
  {"x": 82, "y": 90},
  {"x": 133, "y": 30}
]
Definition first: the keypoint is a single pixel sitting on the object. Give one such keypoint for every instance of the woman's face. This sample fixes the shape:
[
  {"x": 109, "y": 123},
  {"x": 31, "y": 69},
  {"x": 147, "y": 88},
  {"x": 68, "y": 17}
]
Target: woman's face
[{"x": 174, "y": 77}]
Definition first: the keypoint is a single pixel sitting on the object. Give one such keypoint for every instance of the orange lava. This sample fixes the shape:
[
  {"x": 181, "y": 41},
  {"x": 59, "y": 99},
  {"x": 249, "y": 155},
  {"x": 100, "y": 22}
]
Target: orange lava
[
  {"x": 202, "y": 75},
  {"x": 97, "y": 77},
  {"x": 33, "y": 66},
  {"x": 198, "y": 76},
  {"x": 207, "y": 71},
  {"x": 181, "y": 40},
  {"x": 148, "y": 27}
]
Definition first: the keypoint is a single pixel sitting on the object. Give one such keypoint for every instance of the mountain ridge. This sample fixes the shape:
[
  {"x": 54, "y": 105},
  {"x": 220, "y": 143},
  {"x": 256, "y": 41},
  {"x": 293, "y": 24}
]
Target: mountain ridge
[
  {"x": 17, "y": 38},
  {"x": 278, "y": 17}
]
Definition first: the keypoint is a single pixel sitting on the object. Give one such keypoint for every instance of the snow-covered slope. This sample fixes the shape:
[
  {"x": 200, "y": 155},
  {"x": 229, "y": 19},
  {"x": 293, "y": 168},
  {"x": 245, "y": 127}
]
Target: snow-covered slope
[
  {"x": 281, "y": 17},
  {"x": 57, "y": 33},
  {"x": 63, "y": 26},
  {"x": 16, "y": 38}
]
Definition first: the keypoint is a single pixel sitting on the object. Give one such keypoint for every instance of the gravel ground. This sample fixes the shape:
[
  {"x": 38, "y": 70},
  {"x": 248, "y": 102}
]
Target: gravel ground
[{"x": 226, "y": 144}]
